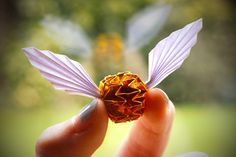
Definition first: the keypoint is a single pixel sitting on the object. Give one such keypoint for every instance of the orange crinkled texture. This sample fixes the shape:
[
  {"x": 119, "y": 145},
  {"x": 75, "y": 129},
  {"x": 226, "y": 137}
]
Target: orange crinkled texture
[{"x": 123, "y": 95}]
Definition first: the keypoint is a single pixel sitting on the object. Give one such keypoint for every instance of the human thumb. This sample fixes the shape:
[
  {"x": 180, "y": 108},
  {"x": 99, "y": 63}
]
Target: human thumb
[{"x": 77, "y": 137}]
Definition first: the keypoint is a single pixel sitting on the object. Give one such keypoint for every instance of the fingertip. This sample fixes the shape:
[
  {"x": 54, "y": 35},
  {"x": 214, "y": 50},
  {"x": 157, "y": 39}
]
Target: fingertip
[
  {"x": 158, "y": 107},
  {"x": 78, "y": 136},
  {"x": 90, "y": 131},
  {"x": 101, "y": 112},
  {"x": 92, "y": 115},
  {"x": 156, "y": 96},
  {"x": 93, "y": 133},
  {"x": 149, "y": 134}
]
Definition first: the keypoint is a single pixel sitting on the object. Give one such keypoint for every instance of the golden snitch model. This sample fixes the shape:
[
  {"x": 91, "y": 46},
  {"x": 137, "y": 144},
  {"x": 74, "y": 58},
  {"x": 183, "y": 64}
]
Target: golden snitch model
[{"x": 123, "y": 93}]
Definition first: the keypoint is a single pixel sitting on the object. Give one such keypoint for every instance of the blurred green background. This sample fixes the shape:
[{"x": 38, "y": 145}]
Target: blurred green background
[{"x": 203, "y": 90}]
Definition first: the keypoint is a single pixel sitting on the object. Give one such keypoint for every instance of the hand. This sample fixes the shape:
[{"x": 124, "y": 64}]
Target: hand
[{"x": 84, "y": 133}]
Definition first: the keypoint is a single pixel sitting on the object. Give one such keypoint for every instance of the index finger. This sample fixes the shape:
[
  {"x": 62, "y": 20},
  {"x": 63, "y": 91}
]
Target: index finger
[{"x": 149, "y": 135}]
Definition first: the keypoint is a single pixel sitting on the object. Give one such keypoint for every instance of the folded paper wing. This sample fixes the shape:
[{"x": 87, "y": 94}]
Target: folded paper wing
[
  {"x": 71, "y": 37},
  {"x": 64, "y": 73},
  {"x": 169, "y": 54},
  {"x": 145, "y": 25}
]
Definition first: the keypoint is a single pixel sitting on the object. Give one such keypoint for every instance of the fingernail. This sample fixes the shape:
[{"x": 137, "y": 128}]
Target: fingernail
[{"x": 87, "y": 110}]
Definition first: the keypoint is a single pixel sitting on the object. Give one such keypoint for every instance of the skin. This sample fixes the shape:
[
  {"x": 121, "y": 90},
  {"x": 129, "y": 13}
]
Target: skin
[{"x": 80, "y": 138}]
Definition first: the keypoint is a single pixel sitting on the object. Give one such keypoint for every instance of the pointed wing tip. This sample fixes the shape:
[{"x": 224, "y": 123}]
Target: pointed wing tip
[
  {"x": 200, "y": 19},
  {"x": 28, "y": 50},
  {"x": 199, "y": 23},
  {"x": 194, "y": 27}
]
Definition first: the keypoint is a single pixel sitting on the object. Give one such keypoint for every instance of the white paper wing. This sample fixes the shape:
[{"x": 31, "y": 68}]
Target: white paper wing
[
  {"x": 68, "y": 35},
  {"x": 145, "y": 25},
  {"x": 64, "y": 73},
  {"x": 169, "y": 54}
]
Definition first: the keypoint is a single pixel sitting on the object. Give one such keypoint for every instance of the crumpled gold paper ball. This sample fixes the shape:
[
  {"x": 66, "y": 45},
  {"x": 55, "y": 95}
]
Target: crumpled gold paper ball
[{"x": 123, "y": 95}]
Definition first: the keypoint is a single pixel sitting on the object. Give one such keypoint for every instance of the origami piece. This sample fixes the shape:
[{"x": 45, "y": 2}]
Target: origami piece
[{"x": 123, "y": 93}]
